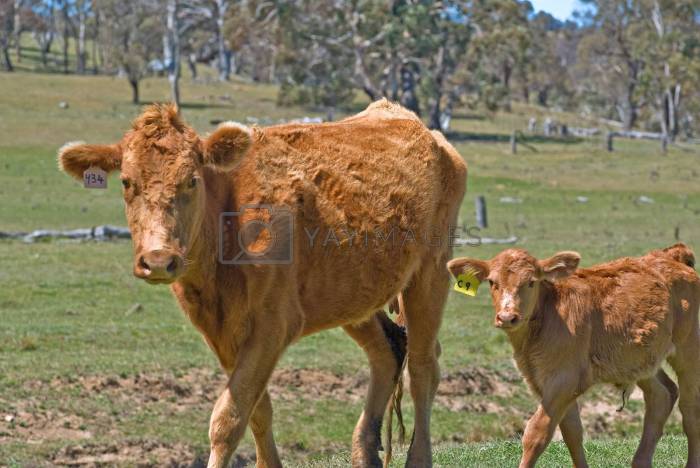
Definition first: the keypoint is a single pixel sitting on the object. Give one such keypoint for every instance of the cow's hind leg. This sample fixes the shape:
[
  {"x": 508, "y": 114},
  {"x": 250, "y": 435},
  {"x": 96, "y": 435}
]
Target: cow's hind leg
[
  {"x": 687, "y": 366},
  {"x": 384, "y": 343},
  {"x": 660, "y": 394},
  {"x": 424, "y": 299},
  {"x": 261, "y": 426}
]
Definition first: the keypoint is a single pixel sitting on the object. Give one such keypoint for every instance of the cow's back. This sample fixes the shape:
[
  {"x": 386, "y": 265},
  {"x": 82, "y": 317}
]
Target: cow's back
[{"x": 370, "y": 195}]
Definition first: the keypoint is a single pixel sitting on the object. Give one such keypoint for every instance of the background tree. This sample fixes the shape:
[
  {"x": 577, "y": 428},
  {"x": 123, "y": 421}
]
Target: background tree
[
  {"x": 7, "y": 18},
  {"x": 131, "y": 35}
]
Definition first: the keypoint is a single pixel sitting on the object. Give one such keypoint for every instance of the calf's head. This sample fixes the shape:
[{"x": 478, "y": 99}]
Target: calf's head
[
  {"x": 162, "y": 162},
  {"x": 515, "y": 278}
]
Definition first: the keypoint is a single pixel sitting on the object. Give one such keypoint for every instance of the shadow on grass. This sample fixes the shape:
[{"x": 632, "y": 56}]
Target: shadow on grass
[
  {"x": 204, "y": 105},
  {"x": 505, "y": 138}
]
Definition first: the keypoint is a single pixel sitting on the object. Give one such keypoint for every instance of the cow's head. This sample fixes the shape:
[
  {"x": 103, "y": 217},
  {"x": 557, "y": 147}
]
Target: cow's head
[
  {"x": 515, "y": 278},
  {"x": 161, "y": 160}
]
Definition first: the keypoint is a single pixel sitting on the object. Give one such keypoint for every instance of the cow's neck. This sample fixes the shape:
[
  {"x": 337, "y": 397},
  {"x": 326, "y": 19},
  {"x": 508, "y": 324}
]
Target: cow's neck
[
  {"x": 210, "y": 292},
  {"x": 203, "y": 251}
]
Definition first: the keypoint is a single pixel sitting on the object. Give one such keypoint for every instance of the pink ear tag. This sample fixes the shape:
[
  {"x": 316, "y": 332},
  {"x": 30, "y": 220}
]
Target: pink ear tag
[{"x": 94, "y": 177}]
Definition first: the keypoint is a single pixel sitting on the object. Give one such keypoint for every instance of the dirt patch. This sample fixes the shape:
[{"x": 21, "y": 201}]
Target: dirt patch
[
  {"x": 460, "y": 391},
  {"x": 474, "y": 390}
]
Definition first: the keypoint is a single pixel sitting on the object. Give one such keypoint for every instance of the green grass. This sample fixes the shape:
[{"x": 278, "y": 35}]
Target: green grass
[
  {"x": 64, "y": 305},
  {"x": 599, "y": 453}
]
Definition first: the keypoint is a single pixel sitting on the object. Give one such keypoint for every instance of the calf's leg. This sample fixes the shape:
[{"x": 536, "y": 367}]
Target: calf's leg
[
  {"x": 687, "y": 366},
  {"x": 424, "y": 299},
  {"x": 261, "y": 426},
  {"x": 572, "y": 433},
  {"x": 246, "y": 387},
  {"x": 379, "y": 337},
  {"x": 660, "y": 394},
  {"x": 540, "y": 428}
]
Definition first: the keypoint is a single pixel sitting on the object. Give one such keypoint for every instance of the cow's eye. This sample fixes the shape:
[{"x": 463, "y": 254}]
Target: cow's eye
[
  {"x": 493, "y": 284},
  {"x": 193, "y": 182},
  {"x": 126, "y": 184},
  {"x": 531, "y": 284}
]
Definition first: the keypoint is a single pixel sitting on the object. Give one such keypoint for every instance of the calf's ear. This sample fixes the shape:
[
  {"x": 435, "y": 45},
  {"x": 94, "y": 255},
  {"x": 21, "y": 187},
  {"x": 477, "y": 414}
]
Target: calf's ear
[
  {"x": 75, "y": 158},
  {"x": 225, "y": 148},
  {"x": 458, "y": 266},
  {"x": 560, "y": 265}
]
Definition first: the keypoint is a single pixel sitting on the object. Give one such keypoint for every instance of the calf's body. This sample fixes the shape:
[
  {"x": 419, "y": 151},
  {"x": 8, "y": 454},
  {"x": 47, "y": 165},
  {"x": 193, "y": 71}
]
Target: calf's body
[{"x": 614, "y": 323}]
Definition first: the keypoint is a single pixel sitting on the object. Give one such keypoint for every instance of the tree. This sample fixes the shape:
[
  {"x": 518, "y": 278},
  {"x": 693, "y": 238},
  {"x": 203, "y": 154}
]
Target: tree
[
  {"x": 131, "y": 38},
  {"x": 672, "y": 50},
  {"x": 83, "y": 10},
  {"x": 42, "y": 24},
  {"x": 609, "y": 57},
  {"x": 224, "y": 56},
  {"x": 7, "y": 18}
]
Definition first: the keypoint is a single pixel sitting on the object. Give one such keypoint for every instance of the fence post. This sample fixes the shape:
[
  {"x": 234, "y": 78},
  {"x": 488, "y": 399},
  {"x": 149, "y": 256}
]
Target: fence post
[
  {"x": 513, "y": 143},
  {"x": 481, "y": 218},
  {"x": 609, "y": 140}
]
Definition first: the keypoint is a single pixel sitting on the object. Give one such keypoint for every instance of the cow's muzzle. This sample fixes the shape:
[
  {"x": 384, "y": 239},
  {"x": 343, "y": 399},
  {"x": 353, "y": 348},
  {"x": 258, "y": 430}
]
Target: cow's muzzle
[{"x": 159, "y": 266}]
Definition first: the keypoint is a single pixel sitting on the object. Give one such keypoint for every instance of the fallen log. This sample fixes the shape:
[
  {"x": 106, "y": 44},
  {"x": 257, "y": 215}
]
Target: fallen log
[{"x": 97, "y": 233}]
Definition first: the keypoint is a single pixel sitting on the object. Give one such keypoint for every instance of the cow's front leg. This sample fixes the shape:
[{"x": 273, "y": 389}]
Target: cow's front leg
[{"x": 246, "y": 387}]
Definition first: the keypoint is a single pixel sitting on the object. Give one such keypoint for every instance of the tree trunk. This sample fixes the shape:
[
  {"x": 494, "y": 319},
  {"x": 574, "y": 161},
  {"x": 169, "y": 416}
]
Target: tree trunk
[
  {"x": 441, "y": 70},
  {"x": 192, "y": 64},
  {"x": 361, "y": 74},
  {"x": 80, "y": 42},
  {"x": 66, "y": 34},
  {"x": 6, "y": 58},
  {"x": 409, "y": 98},
  {"x": 171, "y": 46},
  {"x": 134, "y": 90},
  {"x": 6, "y": 33},
  {"x": 670, "y": 104},
  {"x": 435, "y": 112},
  {"x": 628, "y": 108},
  {"x": 224, "y": 62},
  {"x": 18, "y": 30}
]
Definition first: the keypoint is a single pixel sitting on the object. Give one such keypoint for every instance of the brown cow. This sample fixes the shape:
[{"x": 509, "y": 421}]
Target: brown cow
[
  {"x": 612, "y": 323},
  {"x": 380, "y": 177}
]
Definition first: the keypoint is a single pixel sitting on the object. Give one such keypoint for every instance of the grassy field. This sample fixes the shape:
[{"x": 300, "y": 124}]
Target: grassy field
[{"x": 96, "y": 366}]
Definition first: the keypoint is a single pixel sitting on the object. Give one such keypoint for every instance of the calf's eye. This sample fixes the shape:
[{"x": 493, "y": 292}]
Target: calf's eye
[
  {"x": 193, "y": 182},
  {"x": 126, "y": 184},
  {"x": 531, "y": 284}
]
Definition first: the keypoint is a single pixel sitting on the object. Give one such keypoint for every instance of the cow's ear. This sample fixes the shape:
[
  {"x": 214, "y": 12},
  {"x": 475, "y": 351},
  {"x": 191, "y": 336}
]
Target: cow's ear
[
  {"x": 560, "y": 265},
  {"x": 75, "y": 158},
  {"x": 225, "y": 148},
  {"x": 458, "y": 266}
]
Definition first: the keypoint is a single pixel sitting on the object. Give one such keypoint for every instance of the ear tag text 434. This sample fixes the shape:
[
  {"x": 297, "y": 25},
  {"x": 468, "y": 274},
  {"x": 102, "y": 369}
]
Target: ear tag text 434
[
  {"x": 94, "y": 177},
  {"x": 467, "y": 283}
]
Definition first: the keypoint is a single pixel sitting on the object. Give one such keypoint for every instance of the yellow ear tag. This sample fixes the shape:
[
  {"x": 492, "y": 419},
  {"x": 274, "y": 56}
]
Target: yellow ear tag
[{"x": 467, "y": 283}]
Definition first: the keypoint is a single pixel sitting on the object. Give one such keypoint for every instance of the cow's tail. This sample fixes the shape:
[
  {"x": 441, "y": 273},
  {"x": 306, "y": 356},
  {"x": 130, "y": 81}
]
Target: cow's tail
[{"x": 396, "y": 334}]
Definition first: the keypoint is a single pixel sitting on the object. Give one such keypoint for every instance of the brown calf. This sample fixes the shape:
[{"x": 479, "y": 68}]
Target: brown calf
[
  {"x": 612, "y": 323},
  {"x": 345, "y": 188}
]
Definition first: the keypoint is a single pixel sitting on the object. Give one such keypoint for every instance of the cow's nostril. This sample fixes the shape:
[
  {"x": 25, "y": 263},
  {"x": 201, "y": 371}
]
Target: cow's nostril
[
  {"x": 143, "y": 264},
  {"x": 172, "y": 266}
]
